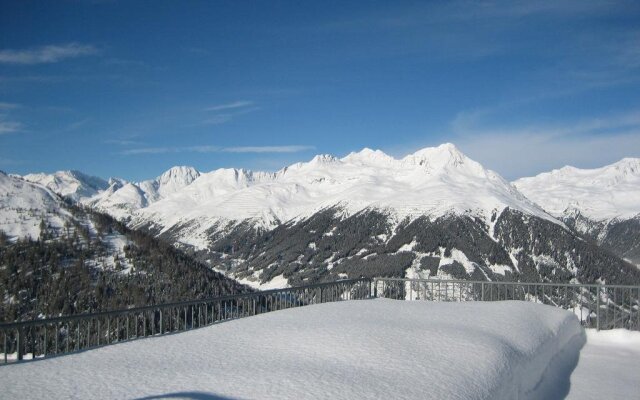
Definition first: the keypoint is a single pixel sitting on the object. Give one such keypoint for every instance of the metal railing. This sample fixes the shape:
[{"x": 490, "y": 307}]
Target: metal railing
[
  {"x": 55, "y": 336},
  {"x": 597, "y": 306}
]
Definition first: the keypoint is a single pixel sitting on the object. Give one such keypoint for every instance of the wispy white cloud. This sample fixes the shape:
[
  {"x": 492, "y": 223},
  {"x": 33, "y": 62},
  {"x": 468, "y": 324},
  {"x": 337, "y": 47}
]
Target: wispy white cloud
[
  {"x": 46, "y": 54},
  {"x": 78, "y": 124},
  {"x": 10, "y": 127},
  {"x": 122, "y": 142},
  {"x": 8, "y": 106},
  {"x": 222, "y": 113},
  {"x": 230, "y": 106},
  {"x": 7, "y": 123},
  {"x": 218, "y": 119},
  {"x": 149, "y": 150},
  {"x": 472, "y": 123},
  {"x": 525, "y": 150},
  {"x": 217, "y": 149},
  {"x": 10, "y": 161}
]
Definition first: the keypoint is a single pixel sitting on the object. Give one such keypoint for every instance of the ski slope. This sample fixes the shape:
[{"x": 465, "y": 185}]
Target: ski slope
[{"x": 365, "y": 349}]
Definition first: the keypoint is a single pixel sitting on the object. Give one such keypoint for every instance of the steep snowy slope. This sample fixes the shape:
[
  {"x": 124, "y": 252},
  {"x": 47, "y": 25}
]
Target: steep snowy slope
[
  {"x": 599, "y": 194},
  {"x": 121, "y": 199},
  {"x": 72, "y": 184},
  {"x": 431, "y": 182},
  {"x": 25, "y": 205},
  {"x": 602, "y": 204},
  {"x": 117, "y": 196},
  {"x": 168, "y": 183}
]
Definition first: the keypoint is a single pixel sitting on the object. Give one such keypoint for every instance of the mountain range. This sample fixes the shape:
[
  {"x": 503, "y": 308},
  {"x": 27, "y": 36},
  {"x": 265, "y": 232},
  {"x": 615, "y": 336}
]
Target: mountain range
[
  {"x": 85, "y": 261},
  {"x": 432, "y": 213}
]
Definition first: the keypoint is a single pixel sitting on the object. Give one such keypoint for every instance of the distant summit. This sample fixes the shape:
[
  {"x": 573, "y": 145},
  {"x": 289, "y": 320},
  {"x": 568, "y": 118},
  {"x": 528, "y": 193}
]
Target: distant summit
[{"x": 612, "y": 191}]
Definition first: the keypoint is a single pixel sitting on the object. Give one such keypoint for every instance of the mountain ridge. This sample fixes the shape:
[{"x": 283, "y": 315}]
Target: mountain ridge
[{"x": 434, "y": 212}]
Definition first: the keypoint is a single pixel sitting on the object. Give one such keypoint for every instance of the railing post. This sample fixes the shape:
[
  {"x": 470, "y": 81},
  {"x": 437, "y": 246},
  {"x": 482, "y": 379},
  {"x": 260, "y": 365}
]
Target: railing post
[
  {"x": 482, "y": 291},
  {"x": 597, "y": 308},
  {"x": 375, "y": 288},
  {"x": 19, "y": 344}
]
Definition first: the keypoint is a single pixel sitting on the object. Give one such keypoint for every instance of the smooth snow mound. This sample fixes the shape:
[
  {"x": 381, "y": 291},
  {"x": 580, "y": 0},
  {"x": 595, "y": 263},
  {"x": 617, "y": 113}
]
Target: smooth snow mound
[{"x": 348, "y": 350}]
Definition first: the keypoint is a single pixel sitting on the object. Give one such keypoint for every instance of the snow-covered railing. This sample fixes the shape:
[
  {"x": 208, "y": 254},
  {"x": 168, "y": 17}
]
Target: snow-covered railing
[
  {"x": 597, "y": 306},
  {"x": 55, "y": 336}
]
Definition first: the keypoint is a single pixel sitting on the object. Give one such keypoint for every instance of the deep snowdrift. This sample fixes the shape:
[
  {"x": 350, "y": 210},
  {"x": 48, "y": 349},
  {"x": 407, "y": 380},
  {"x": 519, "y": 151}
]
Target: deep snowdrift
[{"x": 346, "y": 350}]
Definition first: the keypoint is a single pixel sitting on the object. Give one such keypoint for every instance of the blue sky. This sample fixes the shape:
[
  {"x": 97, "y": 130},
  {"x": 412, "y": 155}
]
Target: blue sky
[{"x": 131, "y": 88}]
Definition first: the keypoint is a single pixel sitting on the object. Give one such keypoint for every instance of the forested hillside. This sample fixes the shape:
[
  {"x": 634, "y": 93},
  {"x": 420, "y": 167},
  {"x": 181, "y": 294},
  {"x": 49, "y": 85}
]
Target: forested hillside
[{"x": 96, "y": 263}]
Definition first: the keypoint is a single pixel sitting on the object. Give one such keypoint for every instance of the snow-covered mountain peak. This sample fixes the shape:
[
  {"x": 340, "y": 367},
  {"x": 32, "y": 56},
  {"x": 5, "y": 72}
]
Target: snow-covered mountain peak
[
  {"x": 171, "y": 181},
  {"x": 368, "y": 156},
  {"x": 73, "y": 184},
  {"x": 437, "y": 157},
  {"x": 612, "y": 191},
  {"x": 116, "y": 182},
  {"x": 431, "y": 182},
  {"x": 627, "y": 167},
  {"x": 448, "y": 161},
  {"x": 179, "y": 174},
  {"x": 323, "y": 159}
]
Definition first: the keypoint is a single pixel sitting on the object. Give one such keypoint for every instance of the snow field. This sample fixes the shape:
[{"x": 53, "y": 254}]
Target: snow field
[
  {"x": 346, "y": 350},
  {"x": 609, "y": 366}
]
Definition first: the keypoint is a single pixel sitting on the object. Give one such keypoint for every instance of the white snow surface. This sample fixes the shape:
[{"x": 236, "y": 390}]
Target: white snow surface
[
  {"x": 123, "y": 198},
  {"x": 23, "y": 205},
  {"x": 116, "y": 197},
  {"x": 609, "y": 366},
  {"x": 368, "y": 349},
  {"x": 72, "y": 184},
  {"x": 600, "y": 194},
  {"x": 431, "y": 182}
]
